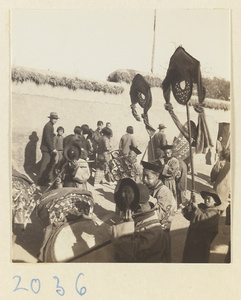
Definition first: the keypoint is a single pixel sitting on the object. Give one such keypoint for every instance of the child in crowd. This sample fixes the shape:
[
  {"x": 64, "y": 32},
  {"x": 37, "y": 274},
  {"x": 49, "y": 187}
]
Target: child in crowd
[
  {"x": 58, "y": 143},
  {"x": 204, "y": 221},
  {"x": 165, "y": 201}
]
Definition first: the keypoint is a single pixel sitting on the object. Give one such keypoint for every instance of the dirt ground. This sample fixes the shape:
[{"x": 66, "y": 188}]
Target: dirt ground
[{"x": 27, "y": 244}]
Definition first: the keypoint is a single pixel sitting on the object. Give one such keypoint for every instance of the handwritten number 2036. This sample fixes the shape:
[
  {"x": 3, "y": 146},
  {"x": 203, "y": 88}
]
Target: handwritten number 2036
[{"x": 35, "y": 286}]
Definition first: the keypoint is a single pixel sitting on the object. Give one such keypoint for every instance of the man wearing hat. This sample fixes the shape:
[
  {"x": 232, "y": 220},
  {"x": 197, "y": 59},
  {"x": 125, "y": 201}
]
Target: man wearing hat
[
  {"x": 204, "y": 220},
  {"x": 48, "y": 150},
  {"x": 165, "y": 202},
  {"x": 140, "y": 238},
  {"x": 126, "y": 141},
  {"x": 159, "y": 140}
]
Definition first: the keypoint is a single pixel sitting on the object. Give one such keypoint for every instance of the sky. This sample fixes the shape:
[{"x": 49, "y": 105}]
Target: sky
[{"x": 94, "y": 43}]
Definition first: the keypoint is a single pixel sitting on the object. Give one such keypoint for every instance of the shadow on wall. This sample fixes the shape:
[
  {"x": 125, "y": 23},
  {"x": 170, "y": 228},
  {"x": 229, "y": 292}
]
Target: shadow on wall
[{"x": 30, "y": 165}]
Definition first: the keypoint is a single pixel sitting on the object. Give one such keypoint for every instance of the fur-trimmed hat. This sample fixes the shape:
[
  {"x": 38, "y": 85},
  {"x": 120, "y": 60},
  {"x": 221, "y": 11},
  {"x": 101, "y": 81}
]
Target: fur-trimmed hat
[
  {"x": 154, "y": 166},
  {"x": 213, "y": 194},
  {"x": 166, "y": 147},
  {"x": 126, "y": 194}
]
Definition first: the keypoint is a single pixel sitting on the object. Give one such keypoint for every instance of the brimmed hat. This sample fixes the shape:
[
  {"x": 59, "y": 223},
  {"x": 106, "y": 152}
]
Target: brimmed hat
[
  {"x": 151, "y": 166},
  {"x": 53, "y": 115},
  {"x": 126, "y": 194},
  {"x": 161, "y": 126},
  {"x": 166, "y": 147},
  {"x": 135, "y": 149},
  {"x": 212, "y": 194},
  {"x": 72, "y": 152}
]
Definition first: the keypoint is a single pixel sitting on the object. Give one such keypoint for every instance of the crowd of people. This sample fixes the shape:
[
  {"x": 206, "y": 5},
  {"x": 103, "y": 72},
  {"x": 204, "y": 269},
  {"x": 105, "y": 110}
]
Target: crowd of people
[{"x": 160, "y": 186}]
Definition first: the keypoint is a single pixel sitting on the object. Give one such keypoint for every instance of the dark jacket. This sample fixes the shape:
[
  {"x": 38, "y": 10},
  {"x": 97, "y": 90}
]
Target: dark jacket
[
  {"x": 47, "y": 138},
  {"x": 201, "y": 232}
]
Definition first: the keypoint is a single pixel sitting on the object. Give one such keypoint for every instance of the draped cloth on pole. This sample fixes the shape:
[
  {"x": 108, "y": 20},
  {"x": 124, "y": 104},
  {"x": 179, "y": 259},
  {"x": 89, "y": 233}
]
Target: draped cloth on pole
[
  {"x": 184, "y": 67},
  {"x": 140, "y": 92}
]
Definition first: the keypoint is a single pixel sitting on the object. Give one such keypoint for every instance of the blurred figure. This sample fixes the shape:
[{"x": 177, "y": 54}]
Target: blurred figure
[
  {"x": 223, "y": 181},
  {"x": 159, "y": 140},
  {"x": 103, "y": 157},
  {"x": 59, "y": 143},
  {"x": 126, "y": 141},
  {"x": 96, "y": 136},
  {"x": 219, "y": 148},
  {"x": 71, "y": 137}
]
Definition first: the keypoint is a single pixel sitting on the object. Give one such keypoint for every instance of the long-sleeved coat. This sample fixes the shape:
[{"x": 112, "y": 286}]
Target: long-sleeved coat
[
  {"x": 164, "y": 199},
  {"x": 141, "y": 240},
  {"x": 47, "y": 138},
  {"x": 201, "y": 232},
  {"x": 159, "y": 140},
  {"x": 166, "y": 204}
]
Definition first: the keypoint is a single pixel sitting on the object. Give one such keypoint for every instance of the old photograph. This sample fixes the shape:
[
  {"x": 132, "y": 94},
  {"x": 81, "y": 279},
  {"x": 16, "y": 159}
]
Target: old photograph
[{"x": 121, "y": 139}]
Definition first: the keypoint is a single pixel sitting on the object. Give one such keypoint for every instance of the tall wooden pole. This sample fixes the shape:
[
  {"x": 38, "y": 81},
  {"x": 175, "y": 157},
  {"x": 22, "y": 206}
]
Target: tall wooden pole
[
  {"x": 190, "y": 149},
  {"x": 154, "y": 41}
]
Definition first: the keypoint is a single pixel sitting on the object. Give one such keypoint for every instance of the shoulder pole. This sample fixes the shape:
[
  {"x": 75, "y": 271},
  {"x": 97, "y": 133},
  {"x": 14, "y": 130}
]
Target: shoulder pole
[{"x": 191, "y": 156}]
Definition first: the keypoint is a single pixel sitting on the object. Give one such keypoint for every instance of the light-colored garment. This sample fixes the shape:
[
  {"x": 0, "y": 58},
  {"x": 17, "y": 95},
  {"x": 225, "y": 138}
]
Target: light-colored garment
[
  {"x": 222, "y": 184},
  {"x": 126, "y": 141},
  {"x": 164, "y": 199}
]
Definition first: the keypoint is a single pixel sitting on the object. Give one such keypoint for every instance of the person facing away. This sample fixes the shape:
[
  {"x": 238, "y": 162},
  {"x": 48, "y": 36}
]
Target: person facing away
[
  {"x": 204, "y": 220},
  {"x": 139, "y": 238},
  {"x": 79, "y": 137},
  {"x": 126, "y": 141},
  {"x": 71, "y": 137},
  {"x": 47, "y": 148},
  {"x": 159, "y": 140},
  {"x": 164, "y": 201}
]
